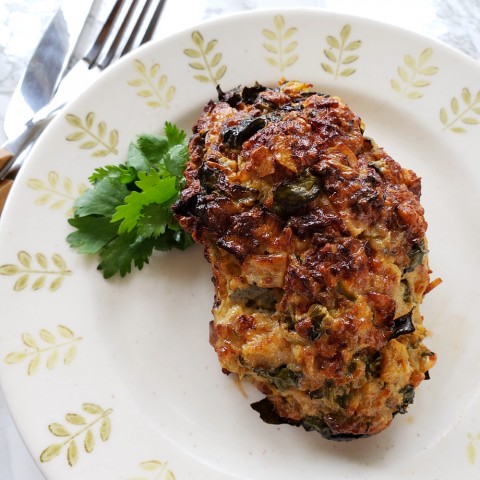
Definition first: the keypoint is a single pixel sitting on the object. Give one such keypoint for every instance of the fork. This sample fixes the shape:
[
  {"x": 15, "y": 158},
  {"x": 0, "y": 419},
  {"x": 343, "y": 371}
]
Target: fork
[{"x": 106, "y": 49}]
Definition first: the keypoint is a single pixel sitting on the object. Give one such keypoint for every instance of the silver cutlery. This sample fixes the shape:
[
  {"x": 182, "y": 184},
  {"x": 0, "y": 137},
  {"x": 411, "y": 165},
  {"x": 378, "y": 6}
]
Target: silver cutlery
[
  {"x": 109, "y": 45},
  {"x": 51, "y": 60},
  {"x": 54, "y": 55}
]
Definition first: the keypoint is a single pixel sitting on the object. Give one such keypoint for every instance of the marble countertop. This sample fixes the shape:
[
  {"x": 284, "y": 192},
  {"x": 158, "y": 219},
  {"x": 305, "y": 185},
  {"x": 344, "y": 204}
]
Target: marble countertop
[{"x": 22, "y": 22}]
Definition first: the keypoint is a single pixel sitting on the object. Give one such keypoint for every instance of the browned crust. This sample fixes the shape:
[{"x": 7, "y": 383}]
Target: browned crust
[{"x": 316, "y": 238}]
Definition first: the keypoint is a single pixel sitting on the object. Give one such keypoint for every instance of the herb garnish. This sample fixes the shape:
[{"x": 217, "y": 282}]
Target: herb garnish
[{"x": 126, "y": 215}]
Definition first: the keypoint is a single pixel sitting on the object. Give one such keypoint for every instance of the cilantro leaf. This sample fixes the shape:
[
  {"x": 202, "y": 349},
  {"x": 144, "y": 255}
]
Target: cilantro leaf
[
  {"x": 92, "y": 234},
  {"x": 175, "y": 160},
  {"x": 137, "y": 160},
  {"x": 178, "y": 239},
  {"x": 153, "y": 189},
  {"x": 101, "y": 200},
  {"x": 126, "y": 215},
  {"x": 116, "y": 256},
  {"x": 155, "y": 220},
  {"x": 123, "y": 173},
  {"x": 175, "y": 136},
  {"x": 152, "y": 148}
]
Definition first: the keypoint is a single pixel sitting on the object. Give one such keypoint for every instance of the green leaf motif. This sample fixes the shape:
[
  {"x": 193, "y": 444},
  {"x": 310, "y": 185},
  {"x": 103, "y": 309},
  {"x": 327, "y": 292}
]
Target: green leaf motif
[
  {"x": 205, "y": 60},
  {"x": 56, "y": 192},
  {"x": 154, "y": 470},
  {"x": 464, "y": 111},
  {"x": 471, "y": 448},
  {"x": 413, "y": 75},
  {"x": 89, "y": 442},
  {"x": 338, "y": 53},
  {"x": 152, "y": 85},
  {"x": 48, "y": 347},
  {"x": 79, "y": 426},
  {"x": 91, "y": 137},
  {"x": 72, "y": 453},
  {"x": 58, "y": 430},
  {"x": 41, "y": 272},
  {"x": 280, "y": 44}
]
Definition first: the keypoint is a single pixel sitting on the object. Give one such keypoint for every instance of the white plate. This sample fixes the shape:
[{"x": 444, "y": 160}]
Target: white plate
[{"x": 130, "y": 357}]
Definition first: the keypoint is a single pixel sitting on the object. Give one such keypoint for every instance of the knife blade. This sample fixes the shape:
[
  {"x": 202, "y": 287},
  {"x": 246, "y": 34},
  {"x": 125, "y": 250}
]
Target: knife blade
[{"x": 51, "y": 60}]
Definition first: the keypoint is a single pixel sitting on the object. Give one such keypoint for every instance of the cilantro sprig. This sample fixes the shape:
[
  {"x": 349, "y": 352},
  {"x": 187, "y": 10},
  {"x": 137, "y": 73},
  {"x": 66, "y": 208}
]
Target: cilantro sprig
[{"x": 126, "y": 215}]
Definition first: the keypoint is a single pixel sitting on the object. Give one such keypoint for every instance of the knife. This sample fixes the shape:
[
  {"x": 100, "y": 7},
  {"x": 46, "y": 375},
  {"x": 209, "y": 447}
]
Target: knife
[{"x": 51, "y": 60}]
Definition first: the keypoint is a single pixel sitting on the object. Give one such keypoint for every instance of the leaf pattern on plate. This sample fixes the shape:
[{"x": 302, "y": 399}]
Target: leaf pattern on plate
[
  {"x": 155, "y": 470},
  {"x": 205, "y": 59},
  {"x": 464, "y": 111},
  {"x": 92, "y": 135},
  {"x": 471, "y": 449},
  {"x": 412, "y": 75},
  {"x": 47, "y": 347},
  {"x": 152, "y": 85},
  {"x": 76, "y": 426},
  {"x": 38, "y": 267},
  {"x": 280, "y": 44},
  {"x": 56, "y": 192},
  {"x": 339, "y": 53}
]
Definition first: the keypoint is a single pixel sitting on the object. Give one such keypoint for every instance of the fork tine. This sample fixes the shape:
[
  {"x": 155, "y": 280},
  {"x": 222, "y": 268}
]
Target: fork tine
[
  {"x": 93, "y": 54},
  {"x": 130, "y": 44},
  {"x": 118, "y": 37},
  {"x": 136, "y": 28},
  {"x": 153, "y": 22}
]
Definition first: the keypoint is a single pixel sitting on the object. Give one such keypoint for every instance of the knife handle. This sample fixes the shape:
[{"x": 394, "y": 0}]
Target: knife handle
[
  {"x": 5, "y": 185},
  {"x": 5, "y": 156}
]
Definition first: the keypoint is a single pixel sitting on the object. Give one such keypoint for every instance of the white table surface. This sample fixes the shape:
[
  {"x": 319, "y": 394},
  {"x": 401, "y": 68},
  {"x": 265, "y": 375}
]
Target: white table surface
[{"x": 22, "y": 22}]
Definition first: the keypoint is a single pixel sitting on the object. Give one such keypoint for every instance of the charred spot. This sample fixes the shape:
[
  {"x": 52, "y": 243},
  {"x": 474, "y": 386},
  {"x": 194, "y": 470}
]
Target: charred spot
[
  {"x": 309, "y": 94},
  {"x": 273, "y": 98},
  {"x": 292, "y": 107},
  {"x": 366, "y": 202},
  {"x": 239, "y": 192},
  {"x": 299, "y": 280},
  {"x": 318, "y": 424},
  {"x": 186, "y": 204},
  {"x": 208, "y": 108},
  {"x": 316, "y": 394},
  {"x": 234, "y": 136},
  {"x": 373, "y": 176},
  {"x": 212, "y": 179},
  {"x": 232, "y": 97},
  {"x": 250, "y": 94},
  {"x": 344, "y": 258},
  {"x": 327, "y": 174},
  {"x": 244, "y": 223},
  {"x": 314, "y": 222},
  {"x": 239, "y": 247},
  {"x": 269, "y": 415},
  {"x": 196, "y": 146},
  {"x": 403, "y": 325}
]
